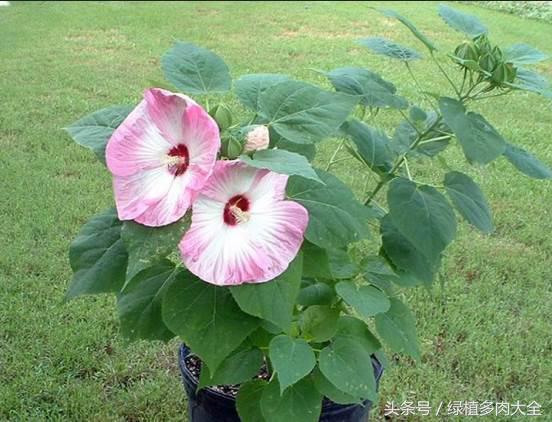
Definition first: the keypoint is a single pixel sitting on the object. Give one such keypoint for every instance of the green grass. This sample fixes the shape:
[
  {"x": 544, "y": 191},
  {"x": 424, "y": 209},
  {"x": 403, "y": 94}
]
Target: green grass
[{"x": 485, "y": 336}]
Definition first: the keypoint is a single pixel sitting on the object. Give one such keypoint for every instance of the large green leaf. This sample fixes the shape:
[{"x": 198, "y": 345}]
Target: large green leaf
[
  {"x": 300, "y": 402},
  {"x": 249, "y": 88},
  {"x": 479, "y": 139},
  {"x": 274, "y": 300},
  {"x": 333, "y": 264},
  {"x": 304, "y": 113},
  {"x": 469, "y": 200},
  {"x": 98, "y": 257},
  {"x": 366, "y": 300},
  {"x": 423, "y": 215},
  {"x": 306, "y": 150},
  {"x": 398, "y": 329},
  {"x": 291, "y": 358},
  {"x": 316, "y": 294},
  {"x": 336, "y": 218},
  {"x": 463, "y": 22},
  {"x": 282, "y": 161},
  {"x": 206, "y": 318},
  {"x": 139, "y": 304},
  {"x": 239, "y": 367},
  {"x": 195, "y": 70},
  {"x": 529, "y": 80},
  {"x": 93, "y": 131},
  {"x": 372, "y": 89},
  {"x": 378, "y": 271},
  {"x": 146, "y": 245},
  {"x": 348, "y": 366},
  {"x": 372, "y": 144},
  {"x": 527, "y": 163},
  {"x": 357, "y": 331},
  {"x": 523, "y": 54},
  {"x": 248, "y": 401},
  {"x": 404, "y": 255},
  {"x": 318, "y": 323},
  {"x": 406, "y": 22},
  {"x": 326, "y": 388},
  {"x": 385, "y": 47}
]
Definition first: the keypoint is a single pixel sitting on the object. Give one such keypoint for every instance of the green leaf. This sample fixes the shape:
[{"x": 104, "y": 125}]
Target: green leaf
[
  {"x": 469, "y": 200},
  {"x": 98, "y": 257},
  {"x": 318, "y": 323},
  {"x": 327, "y": 263},
  {"x": 527, "y": 163},
  {"x": 366, "y": 300},
  {"x": 479, "y": 139},
  {"x": 94, "y": 130},
  {"x": 385, "y": 47},
  {"x": 336, "y": 218},
  {"x": 463, "y": 22},
  {"x": 348, "y": 366},
  {"x": 316, "y": 294},
  {"x": 372, "y": 144},
  {"x": 147, "y": 245},
  {"x": 248, "y": 401},
  {"x": 372, "y": 89},
  {"x": 206, "y": 318},
  {"x": 249, "y": 88},
  {"x": 404, "y": 255},
  {"x": 357, "y": 331},
  {"x": 274, "y": 300},
  {"x": 300, "y": 402},
  {"x": 377, "y": 271},
  {"x": 306, "y": 150},
  {"x": 398, "y": 329},
  {"x": 292, "y": 359},
  {"x": 529, "y": 80},
  {"x": 195, "y": 70},
  {"x": 392, "y": 14},
  {"x": 303, "y": 113},
  {"x": 139, "y": 304},
  {"x": 523, "y": 54},
  {"x": 235, "y": 369},
  {"x": 283, "y": 162},
  {"x": 422, "y": 215},
  {"x": 327, "y": 389}
]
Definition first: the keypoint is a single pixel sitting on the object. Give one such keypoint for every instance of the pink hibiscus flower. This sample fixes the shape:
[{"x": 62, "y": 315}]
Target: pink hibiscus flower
[
  {"x": 160, "y": 156},
  {"x": 243, "y": 231}
]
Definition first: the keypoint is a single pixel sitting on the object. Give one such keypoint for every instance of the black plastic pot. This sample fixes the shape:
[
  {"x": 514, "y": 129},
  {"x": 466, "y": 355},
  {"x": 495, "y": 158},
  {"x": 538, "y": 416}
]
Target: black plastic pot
[{"x": 208, "y": 405}]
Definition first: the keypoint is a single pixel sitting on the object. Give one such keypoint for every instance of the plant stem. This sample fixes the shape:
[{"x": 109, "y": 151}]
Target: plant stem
[
  {"x": 419, "y": 86},
  {"x": 400, "y": 161},
  {"x": 446, "y": 75},
  {"x": 332, "y": 159}
]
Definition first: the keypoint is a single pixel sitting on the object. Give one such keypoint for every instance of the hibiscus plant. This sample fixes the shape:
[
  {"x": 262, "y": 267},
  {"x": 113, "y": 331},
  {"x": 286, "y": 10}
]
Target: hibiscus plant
[{"x": 226, "y": 235}]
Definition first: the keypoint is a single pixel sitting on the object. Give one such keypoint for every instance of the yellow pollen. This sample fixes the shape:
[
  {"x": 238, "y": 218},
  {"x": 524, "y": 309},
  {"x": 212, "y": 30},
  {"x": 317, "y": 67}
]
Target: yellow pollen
[
  {"x": 174, "y": 160},
  {"x": 241, "y": 216}
]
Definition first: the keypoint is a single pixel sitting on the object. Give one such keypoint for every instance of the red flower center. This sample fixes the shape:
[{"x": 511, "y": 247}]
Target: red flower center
[
  {"x": 236, "y": 210},
  {"x": 178, "y": 159}
]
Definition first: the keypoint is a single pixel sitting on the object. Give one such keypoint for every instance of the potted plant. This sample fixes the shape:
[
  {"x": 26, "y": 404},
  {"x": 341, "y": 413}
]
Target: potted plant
[{"x": 225, "y": 235}]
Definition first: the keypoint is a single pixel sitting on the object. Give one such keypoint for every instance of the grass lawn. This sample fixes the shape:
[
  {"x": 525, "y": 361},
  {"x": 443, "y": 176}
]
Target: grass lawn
[{"x": 485, "y": 335}]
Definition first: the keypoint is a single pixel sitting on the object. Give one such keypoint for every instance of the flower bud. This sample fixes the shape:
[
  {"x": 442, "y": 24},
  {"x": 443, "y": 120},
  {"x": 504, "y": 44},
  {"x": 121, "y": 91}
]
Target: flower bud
[
  {"x": 487, "y": 62},
  {"x": 257, "y": 139},
  {"x": 222, "y": 115}
]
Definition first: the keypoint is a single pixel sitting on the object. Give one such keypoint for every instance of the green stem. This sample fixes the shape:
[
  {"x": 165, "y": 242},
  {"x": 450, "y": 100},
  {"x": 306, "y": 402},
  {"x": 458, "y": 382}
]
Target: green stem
[
  {"x": 446, "y": 75},
  {"x": 419, "y": 86},
  {"x": 400, "y": 161},
  {"x": 439, "y": 138},
  {"x": 405, "y": 117},
  {"x": 332, "y": 159}
]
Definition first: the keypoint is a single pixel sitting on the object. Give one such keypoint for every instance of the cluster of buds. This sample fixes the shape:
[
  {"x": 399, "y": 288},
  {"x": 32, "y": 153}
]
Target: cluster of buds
[
  {"x": 487, "y": 60},
  {"x": 238, "y": 140}
]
